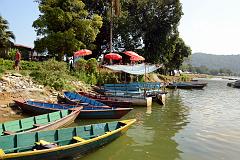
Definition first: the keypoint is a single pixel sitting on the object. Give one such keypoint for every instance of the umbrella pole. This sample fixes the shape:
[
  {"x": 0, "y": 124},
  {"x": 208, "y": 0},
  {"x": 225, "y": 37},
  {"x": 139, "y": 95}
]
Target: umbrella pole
[{"x": 111, "y": 27}]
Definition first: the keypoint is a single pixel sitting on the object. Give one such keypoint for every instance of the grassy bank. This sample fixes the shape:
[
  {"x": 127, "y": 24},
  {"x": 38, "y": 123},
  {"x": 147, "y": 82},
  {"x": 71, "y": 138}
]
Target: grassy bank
[{"x": 57, "y": 75}]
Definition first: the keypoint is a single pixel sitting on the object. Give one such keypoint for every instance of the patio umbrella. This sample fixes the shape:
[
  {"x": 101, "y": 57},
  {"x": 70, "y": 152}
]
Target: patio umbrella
[
  {"x": 137, "y": 58},
  {"x": 82, "y": 52},
  {"x": 130, "y": 53},
  {"x": 113, "y": 56}
]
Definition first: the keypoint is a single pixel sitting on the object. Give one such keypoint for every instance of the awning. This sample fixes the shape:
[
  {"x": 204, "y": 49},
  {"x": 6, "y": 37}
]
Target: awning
[{"x": 137, "y": 69}]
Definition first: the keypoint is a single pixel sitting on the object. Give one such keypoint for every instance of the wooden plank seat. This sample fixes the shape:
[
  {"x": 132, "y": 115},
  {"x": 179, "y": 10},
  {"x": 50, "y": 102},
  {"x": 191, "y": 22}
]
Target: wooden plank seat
[
  {"x": 37, "y": 125},
  {"x": 8, "y": 132},
  {"x": 78, "y": 139}
]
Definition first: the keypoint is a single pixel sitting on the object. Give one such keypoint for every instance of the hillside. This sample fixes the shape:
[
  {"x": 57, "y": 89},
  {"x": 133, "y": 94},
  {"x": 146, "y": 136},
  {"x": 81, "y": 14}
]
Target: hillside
[{"x": 211, "y": 61}]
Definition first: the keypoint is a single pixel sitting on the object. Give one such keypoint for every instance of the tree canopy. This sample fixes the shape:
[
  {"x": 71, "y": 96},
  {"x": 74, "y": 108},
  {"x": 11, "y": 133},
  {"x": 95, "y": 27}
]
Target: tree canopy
[
  {"x": 6, "y": 37},
  {"x": 151, "y": 26},
  {"x": 65, "y": 26},
  {"x": 148, "y": 25}
]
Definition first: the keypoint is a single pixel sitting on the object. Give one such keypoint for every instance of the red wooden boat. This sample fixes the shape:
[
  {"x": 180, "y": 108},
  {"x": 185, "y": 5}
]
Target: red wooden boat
[{"x": 114, "y": 102}]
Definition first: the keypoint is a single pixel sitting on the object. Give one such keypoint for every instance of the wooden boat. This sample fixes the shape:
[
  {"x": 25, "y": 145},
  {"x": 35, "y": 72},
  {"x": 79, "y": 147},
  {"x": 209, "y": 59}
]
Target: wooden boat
[
  {"x": 113, "y": 102},
  {"x": 75, "y": 98},
  {"x": 185, "y": 85},
  {"x": 198, "y": 83},
  {"x": 235, "y": 84},
  {"x": 87, "y": 112},
  {"x": 48, "y": 121},
  {"x": 136, "y": 89},
  {"x": 135, "y": 100},
  {"x": 66, "y": 143}
]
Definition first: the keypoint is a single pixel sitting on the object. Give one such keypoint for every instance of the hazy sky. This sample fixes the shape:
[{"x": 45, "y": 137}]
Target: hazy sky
[{"x": 210, "y": 26}]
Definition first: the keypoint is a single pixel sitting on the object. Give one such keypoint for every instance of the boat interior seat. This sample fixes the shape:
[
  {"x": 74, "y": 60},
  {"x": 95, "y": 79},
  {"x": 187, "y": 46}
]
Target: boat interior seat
[
  {"x": 37, "y": 125},
  {"x": 2, "y": 153},
  {"x": 8, "y": 132},
  {"x": 78, "y": 139}
]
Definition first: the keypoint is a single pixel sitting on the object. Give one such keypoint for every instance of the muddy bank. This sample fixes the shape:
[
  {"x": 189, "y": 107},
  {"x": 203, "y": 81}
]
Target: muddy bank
[{"x": 15, "y": 86}]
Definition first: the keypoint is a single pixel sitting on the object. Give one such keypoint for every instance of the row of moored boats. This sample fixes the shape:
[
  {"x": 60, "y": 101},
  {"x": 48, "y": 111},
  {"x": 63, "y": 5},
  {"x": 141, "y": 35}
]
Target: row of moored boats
[{"x": 39, "y": 137}]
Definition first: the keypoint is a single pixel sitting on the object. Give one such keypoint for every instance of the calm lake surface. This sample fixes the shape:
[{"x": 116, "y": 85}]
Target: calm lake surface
[{"x": 193, "y": 125}]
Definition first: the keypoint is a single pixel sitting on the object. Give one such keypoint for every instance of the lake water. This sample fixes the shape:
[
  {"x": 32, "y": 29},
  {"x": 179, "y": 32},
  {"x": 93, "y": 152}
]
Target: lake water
[{"x": 193, "y": 125}]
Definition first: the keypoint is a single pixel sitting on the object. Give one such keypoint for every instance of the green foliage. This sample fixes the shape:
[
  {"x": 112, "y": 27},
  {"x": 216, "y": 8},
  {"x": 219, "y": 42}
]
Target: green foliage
[
  {"x": 30, "y": 65},
  {"x": 149, "y": 24},
  {"x": 178, "y": 56},
  {"x": 91, "y": 66},
  {"x": 1, "y": 71},
  {"x": 80, "y": 65},
  {"x": 65, "y": 26},
  {"x": 216, "y": 62},
  {"x": 6, "y": 64},
  {"x": 6, "y": 37},
  {"x": 24, "y": 65},
  {"x": 206, "y": 70},
  {"x": 92, "y": 79},
  {"x": 52, "y": 73},
  {"x": 185, "y": 78},
  {"x": 11, "y": 53},
  {"x": 107, "y": 77}
]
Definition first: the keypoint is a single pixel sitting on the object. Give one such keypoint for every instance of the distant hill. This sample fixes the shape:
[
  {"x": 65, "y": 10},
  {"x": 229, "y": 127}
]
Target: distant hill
[{"x": 211, "y": 61}]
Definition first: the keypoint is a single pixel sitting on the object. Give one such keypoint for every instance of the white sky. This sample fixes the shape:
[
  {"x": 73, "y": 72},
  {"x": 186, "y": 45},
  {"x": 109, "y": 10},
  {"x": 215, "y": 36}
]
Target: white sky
[{"x": 211, "y": 26}]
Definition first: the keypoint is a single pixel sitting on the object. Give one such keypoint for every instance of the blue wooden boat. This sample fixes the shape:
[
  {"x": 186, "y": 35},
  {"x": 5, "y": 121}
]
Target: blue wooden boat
[
  {"x": 113, "y": 102},
  {"x": 87, "y": 111},
  {"x": 136, "y": 89},
  {"x": 43, "y": 122},
  {"x": 66, "y": 143},
  {"x": 75, "y": 98}
]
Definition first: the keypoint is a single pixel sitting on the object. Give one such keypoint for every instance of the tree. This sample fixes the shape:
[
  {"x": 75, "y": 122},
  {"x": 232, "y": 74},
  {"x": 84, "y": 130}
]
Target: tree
[
  {"x": 65, "y": 26},
  {"x": 103, "y": 8},
  {"x": 147, "y": 24},
  {"x": 6, "y": 37},
  {"x": 181, "y": 51},
  {"x": 152, "y": 25}
]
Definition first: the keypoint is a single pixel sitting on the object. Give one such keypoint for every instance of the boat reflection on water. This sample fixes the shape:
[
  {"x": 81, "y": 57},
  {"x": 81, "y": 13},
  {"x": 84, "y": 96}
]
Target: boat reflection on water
[{"x": 152, "y": 137}]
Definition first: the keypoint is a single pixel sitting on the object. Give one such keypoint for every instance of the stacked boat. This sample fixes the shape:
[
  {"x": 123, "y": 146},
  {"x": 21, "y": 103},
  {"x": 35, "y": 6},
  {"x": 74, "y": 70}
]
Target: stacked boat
[
  {"x": 139, "y": 94},
  {"x": 39, "y": 137}
]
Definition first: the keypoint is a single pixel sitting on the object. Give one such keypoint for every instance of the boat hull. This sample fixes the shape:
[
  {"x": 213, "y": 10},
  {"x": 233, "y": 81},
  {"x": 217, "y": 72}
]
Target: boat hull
[
  {"x": 161, "y": 99},
  {"x": 105, "y": 113},
  {"x": 137, "y": 102},
  {"x": 108, "y": 101},
  {"x": 64, "y": 121},
  {"x": 75, "y": 150}
]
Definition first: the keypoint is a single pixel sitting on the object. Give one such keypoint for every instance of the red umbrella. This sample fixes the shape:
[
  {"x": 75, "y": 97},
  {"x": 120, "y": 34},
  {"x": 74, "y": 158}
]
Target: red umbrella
[
  {"x": 137, "y": 58},
  {"x": 82, "y": 52},
  {"x": 113, "y": 56},
  {"x": 131, "y": 53}
]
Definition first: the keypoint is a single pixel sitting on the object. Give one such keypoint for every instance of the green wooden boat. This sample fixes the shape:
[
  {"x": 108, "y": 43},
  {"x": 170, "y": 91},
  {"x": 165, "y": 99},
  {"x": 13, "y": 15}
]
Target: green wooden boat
[
  {"x": 48, "y": 121},
  {"x": 62, "y": 143}
]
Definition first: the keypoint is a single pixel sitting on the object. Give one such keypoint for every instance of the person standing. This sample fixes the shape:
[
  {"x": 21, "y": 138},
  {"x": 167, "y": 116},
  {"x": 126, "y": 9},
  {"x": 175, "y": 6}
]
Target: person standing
[
  {"x": 71, "y": 61},
  {"x": 17, "y": 60}
]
